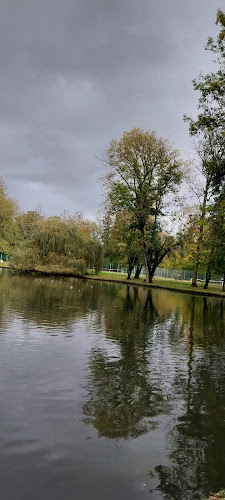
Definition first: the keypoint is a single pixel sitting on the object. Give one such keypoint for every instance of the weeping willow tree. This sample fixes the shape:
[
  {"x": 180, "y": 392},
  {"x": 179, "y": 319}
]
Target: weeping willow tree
[{"x": 57, "y": 244}]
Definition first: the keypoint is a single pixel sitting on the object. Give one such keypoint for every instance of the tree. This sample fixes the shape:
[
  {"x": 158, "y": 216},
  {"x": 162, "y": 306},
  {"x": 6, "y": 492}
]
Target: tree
[
  {"x": 89, "y": 233},
  {"x": 216, "y": 241},
  {"x": 209, "y": 128},
  {"x": 26, "y": 222},
  {"x": 121, "y": 242},
  {"x": 144, "y": 170},
  {"x": 210, "y": 121},
  {"x": 207, "y": 152},
  {"x": 61, "y": 244},
  {"x": 8, "y": 211}
]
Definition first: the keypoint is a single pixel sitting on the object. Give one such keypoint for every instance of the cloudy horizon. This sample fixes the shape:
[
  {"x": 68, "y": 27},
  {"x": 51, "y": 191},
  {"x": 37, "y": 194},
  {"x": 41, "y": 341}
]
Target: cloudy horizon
[{"x": 75, "y": 74}]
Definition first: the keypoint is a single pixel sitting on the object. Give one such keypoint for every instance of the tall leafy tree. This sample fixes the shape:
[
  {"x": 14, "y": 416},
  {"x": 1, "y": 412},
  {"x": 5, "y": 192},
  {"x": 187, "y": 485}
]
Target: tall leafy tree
[
  {"x": 209, "y": 128},
  {"x": 144, "y": 170},
  {"x": 216, "y": 240}
]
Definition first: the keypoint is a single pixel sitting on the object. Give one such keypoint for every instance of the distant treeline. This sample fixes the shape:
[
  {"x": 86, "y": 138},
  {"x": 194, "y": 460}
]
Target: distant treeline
[{"x": 67, "y": 244}]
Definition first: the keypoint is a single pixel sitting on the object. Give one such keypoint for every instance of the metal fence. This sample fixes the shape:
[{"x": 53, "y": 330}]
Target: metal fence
[
  {"x": 161, "y": 272},
  {"x": 184, "y": 274}
]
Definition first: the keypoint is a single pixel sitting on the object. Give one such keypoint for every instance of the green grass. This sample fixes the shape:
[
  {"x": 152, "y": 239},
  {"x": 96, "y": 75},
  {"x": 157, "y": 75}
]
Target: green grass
[
  {"x": 4, "y": 264},
  {"x": 167, "y": 283}
]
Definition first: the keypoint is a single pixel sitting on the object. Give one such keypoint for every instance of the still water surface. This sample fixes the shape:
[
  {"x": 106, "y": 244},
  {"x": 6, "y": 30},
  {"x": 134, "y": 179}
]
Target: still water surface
[{"x": 109, "y": 392}]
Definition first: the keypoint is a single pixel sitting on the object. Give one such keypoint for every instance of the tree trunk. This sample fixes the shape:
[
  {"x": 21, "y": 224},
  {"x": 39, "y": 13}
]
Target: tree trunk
[
  {"x": 151, "y": 270},
  {"x": 145, "y": 262},
  {"x": 151, "y": 274},
  {"x": 201, "y": 233},
  {"x": 130, "y": 266},
  {"x": 207, "y": 279},
  {"x": 137, "y": 273},
  {"x": 130, "y": 269},
  {"x": 209, "y": 269},
  {"x": 195, "y": 272},
  {"x": 224, "y": 282},
  {"x": 147, "y": 280}
]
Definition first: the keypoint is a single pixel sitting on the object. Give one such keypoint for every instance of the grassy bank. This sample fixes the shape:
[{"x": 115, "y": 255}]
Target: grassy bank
[
  {"x": 53, "y": 270},
  {"x": 164, "y": 283},
  {"x": 168, "y": 284}
]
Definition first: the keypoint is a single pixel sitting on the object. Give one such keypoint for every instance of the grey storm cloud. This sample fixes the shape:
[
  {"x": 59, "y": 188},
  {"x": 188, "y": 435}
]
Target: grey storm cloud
[{"x": 75, "y": 74}]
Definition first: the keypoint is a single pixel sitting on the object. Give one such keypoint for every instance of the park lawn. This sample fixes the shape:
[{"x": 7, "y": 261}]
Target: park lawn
[
  {"x": 4, "y": 264},
  {"x": 166, "y": 283}
]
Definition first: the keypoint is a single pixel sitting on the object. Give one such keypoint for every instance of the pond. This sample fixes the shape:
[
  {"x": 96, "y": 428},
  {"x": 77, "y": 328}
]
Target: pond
[{"x": 109, "y": 391}]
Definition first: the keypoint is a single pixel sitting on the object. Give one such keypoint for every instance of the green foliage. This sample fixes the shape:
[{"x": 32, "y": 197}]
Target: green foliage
[
  {"x": 8, "y": 211},
  {"x": 215, "y": 237},
  {"x": 209, "y": 126},
  {"x": 121, "y": 242},
  {"x": 69, "y": 244},
  {"x": 144, "y": 169}
]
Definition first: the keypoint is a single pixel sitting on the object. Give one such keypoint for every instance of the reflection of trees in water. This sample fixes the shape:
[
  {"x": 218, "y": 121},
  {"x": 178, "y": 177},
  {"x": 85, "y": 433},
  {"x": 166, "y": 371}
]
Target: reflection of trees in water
[
  {"x": 122, "y": 398},
  {"x": 125, "y": 394},
  {"x": 4, "y": 319},
  {"x": 122, "y": 401},
  {"x": 197, "y": 441},
  {"x": 50, "y": 302}
]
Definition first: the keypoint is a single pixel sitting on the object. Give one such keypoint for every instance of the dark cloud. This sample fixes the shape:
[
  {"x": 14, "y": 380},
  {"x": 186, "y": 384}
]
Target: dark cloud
[{"x": 74, "y": 74}]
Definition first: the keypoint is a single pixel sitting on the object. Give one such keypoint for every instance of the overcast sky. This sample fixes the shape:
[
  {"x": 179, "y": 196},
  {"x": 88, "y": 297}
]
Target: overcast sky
[{"x": 77, "y": 73}]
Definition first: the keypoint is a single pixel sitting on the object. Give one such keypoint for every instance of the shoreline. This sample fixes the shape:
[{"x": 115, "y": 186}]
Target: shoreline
[{"x": 123, "y": 281}]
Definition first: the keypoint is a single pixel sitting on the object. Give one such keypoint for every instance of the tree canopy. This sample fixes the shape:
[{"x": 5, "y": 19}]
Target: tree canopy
[
  {"x": 66, "y": 244},
  {"x": 209, "y": 129},
  {"x": 209, "y": 126},
  {"x": 8, "y": 211},
  {"x": 144, "y": 170}
]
